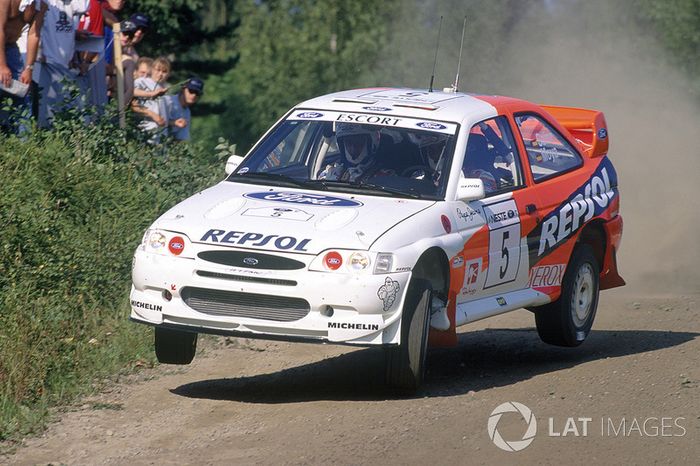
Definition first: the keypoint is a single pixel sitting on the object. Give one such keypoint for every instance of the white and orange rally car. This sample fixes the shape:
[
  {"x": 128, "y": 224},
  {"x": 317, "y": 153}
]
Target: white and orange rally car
[{"x": 391, "y": 217}]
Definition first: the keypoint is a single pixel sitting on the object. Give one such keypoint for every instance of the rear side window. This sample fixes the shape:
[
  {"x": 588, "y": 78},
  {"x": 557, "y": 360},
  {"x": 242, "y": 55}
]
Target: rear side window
[{"x": 549, "y": 153}]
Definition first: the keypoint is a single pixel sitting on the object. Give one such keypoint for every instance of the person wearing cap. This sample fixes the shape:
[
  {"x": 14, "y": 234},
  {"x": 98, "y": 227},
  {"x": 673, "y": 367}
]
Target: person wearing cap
[
  {"x": 133, "y": 31},
  {"x": 178, "y": 108},
  {"x": 56, "y": 20}
]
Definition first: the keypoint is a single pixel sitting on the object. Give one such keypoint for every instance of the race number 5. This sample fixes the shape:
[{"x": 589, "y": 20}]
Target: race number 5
[{"x": 504, "y": 243}]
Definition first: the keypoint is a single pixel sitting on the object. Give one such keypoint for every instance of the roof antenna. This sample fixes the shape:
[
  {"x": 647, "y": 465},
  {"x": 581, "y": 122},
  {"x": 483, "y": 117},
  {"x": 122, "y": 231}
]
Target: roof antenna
[
  {"x": 455, "y": 86},
  {"x": 437, "y": 47}
]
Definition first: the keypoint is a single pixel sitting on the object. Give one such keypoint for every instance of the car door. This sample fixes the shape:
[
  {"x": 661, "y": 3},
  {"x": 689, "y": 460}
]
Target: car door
[{"x": 494, "y": 258}]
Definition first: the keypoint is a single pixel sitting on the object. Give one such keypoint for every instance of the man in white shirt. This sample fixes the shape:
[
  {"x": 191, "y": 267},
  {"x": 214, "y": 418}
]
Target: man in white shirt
[{"x": 57, "y": 20}]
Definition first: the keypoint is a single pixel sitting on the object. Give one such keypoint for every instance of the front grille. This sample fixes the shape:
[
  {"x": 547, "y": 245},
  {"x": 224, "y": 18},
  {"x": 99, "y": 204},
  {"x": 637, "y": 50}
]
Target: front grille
[
  {"x": 249, "y": 305},
  {"x": 251, "y": 260},
  {"x": 246, "y": 278}
]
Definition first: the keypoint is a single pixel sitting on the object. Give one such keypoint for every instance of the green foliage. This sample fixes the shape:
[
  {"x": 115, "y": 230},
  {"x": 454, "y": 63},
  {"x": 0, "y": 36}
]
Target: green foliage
[
  {"x": 291, "y": 51},
  {"x": 74, "y": 203},
  {"x": 678, "y": 24}
]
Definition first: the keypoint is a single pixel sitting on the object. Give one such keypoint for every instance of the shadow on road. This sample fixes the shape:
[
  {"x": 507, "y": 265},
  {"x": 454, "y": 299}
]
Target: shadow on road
[{"x": 484, "y": 359}]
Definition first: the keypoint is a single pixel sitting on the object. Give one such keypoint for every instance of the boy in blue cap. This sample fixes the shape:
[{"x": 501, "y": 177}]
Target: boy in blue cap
[{"x": 178, "y": 107}]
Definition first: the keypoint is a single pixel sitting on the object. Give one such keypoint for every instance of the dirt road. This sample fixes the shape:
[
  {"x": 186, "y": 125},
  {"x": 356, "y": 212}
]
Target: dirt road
[{"x": 637, "y": 378}]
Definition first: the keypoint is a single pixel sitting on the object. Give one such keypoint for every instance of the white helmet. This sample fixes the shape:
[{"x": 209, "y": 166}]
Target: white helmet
[{"x": 371, "y": 141}]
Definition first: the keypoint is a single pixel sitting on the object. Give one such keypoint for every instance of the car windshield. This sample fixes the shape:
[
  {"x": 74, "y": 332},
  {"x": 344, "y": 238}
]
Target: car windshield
[{"x": 370, "y": 154}]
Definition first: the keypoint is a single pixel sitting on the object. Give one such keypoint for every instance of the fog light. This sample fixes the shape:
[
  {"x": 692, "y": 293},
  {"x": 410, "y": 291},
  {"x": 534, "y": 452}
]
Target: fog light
[{"x": 167, "y": 295}]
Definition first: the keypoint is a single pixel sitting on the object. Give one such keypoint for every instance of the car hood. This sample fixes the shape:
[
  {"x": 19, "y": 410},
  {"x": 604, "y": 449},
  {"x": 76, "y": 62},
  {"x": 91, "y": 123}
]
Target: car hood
[{"x": 286, "y": 219}]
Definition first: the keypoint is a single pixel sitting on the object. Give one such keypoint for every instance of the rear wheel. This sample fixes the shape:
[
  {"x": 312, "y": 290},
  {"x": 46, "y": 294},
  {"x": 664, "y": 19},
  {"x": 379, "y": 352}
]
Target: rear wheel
[
  {"x": 405, "y": 363},
  {"x": 175, "y": 346},
  {"x": 568, "y": 320}
]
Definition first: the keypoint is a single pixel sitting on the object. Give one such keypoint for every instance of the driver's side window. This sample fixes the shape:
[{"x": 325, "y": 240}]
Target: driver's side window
[{"x": 492, "y": 156}]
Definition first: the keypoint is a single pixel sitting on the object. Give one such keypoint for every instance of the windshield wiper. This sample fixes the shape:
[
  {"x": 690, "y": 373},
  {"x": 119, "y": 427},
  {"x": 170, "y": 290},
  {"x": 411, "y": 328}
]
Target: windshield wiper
[
  {"x": 275, "y": 177},
  {"x": 412, "y": 192}
]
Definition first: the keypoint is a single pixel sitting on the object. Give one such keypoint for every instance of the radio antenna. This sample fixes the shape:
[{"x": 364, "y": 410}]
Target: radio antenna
[
  {"x": 437, "y": 47},
  {"x": 455, "y": 86}
]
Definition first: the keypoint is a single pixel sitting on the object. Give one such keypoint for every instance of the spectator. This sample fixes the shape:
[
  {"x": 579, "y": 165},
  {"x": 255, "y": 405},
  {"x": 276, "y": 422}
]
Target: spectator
[
  {"x": 149, "y": 101},
  {"x": 92, "y": 54},
  {"x": 14, "y": 18},
  {"x": 133, "y": 31},
  {"x": 55, "y": 20},
  {"x": 178, "y": 108},
  {"x": 143, "y": 68}
]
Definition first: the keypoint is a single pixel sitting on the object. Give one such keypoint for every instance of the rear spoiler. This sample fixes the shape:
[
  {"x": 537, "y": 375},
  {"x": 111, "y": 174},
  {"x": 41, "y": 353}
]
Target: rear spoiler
[{"x": 587, "y": 126}]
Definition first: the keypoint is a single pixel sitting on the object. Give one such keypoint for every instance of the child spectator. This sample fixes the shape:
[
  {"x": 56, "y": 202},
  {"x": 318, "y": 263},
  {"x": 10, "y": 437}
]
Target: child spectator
[
  {"x": 149, "y": 102},
  {"x": 178, "y": 108},
  {"x": 143, "y": 68}
]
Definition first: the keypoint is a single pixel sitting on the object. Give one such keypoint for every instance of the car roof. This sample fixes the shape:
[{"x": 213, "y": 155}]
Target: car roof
[{"x": 417, "y": 103}]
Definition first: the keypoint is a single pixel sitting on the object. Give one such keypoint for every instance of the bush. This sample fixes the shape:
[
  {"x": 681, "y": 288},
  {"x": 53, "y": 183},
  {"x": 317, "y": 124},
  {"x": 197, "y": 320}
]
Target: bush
[{"x": 74, "y": 203}]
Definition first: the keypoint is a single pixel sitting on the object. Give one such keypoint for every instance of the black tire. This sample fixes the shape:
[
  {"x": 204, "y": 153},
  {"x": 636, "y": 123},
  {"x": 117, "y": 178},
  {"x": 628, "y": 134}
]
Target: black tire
[
  {"x": 405, "y": 363},
  {"x": 175, "y": 346},
  {"x": 568, "y": 320}
]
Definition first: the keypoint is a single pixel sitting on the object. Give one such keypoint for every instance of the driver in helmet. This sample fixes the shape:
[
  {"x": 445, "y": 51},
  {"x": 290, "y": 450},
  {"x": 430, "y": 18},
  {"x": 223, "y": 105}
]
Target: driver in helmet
[
  {"x": 432, "y": 149},
  {"x": 358, "y": 145}
]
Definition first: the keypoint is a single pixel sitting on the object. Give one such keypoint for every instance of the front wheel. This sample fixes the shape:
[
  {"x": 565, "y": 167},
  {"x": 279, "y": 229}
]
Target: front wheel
[
  {"x": 175, "y": 346},
  {"x": 405, "y": 364},
  {"x": 568, "y": 320}
]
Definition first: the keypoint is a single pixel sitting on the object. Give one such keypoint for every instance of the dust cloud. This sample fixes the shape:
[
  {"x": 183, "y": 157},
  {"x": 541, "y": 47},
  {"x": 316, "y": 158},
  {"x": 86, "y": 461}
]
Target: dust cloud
[{"x": 594, "y": 54}]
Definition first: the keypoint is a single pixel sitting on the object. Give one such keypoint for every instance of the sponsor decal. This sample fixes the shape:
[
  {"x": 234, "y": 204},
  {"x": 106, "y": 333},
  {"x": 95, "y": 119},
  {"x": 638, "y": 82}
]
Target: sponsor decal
[
  {"x": 504, "y": 242},
  {"x": 250, "y": 261},
  {"x": 286, "y": 213},
  {"x": 501, "y": 301},
  {"x": 176, "y": 245},
  {"x": 149, "y": 306},
  {"x": 546, "y": 275},
  {"x": 457, "y": 262},
  {"x": 377, "y": 109},
  {"x": 351, "y": 326},
  {"x": 431, "y": 125},
  {"x": 387, "y": 292},
  {"x": 467, "y": 214},
  {"x": 586, "y": 202},
  {"x": 173, "y": 287},
  {"x": 243, "y": 170},
  {"x": 241, "y": 238},
  {"x": 471, "y": 275},
  {"x": 309, "y": 115},
  {"x": 368, "y": 119},
  {"x": 303, "y": 198},
  {"x": 403, "y": 269},
  {"x": 446, "y": 224},
  {"x": 333, "y": 260},
  {"x": 602, "y": 133}
]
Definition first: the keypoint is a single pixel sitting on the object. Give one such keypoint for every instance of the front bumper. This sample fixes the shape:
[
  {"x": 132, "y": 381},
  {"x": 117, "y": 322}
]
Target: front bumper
[{"x": 366, "y": 308}]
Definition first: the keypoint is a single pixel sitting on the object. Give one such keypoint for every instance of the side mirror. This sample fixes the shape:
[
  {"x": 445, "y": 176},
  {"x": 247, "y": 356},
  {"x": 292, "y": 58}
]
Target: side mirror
[
  {"x": 233, "y": 162},
  {"x": 470, "y": 189}
]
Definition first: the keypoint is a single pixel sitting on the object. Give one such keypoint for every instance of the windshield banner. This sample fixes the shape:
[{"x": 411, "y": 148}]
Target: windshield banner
[{"x": 390, "y": 121}]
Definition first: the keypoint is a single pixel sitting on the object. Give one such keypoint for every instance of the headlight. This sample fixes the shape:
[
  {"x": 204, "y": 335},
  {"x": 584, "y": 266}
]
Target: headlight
[
  {"x": 167, "y": 243},
  {"x": 345, "y": 261},
  {"x": 156, "y": 241},
  {"x": 359, "y": 261}
]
